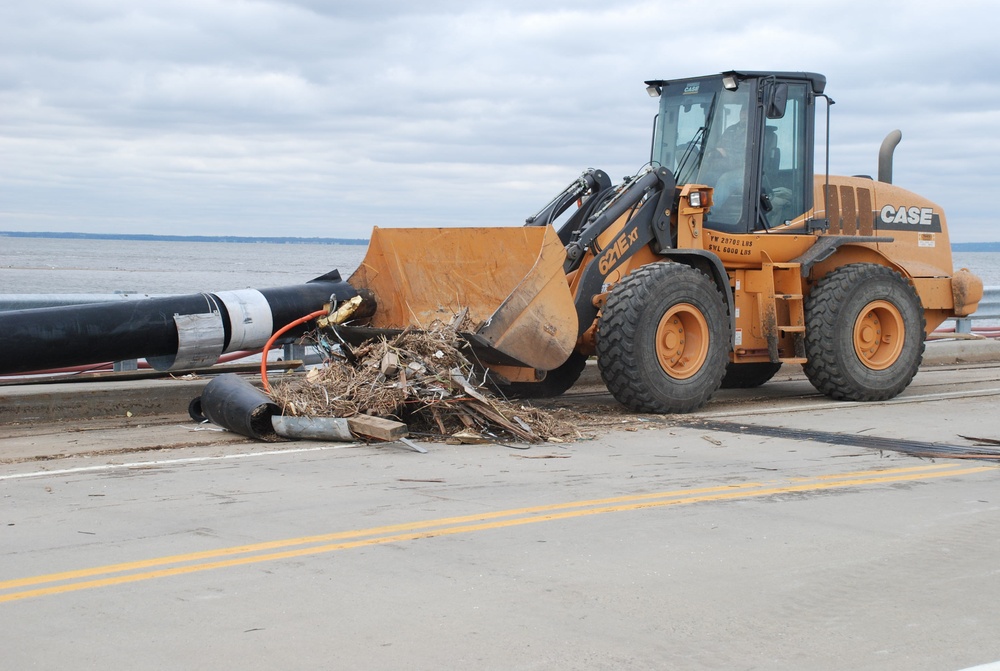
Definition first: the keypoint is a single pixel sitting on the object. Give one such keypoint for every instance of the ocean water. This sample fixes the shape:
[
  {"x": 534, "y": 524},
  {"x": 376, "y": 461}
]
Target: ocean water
[
  {"x": 54, "y": 266},
  {"x": 58, "y": 266},
  {"x": 984, "y": 264}
]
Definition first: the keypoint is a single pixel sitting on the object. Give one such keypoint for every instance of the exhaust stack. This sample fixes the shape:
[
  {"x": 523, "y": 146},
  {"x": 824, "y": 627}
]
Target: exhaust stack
[{"x": 885, "y": 156}]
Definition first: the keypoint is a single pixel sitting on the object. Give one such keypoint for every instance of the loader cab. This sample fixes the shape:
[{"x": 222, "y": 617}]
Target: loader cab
[{"x": 749, "y": 135}]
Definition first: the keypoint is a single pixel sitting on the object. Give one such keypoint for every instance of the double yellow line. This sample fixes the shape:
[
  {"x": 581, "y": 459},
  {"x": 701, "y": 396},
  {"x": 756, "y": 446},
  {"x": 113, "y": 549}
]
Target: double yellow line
[{"x": 174, "y": 565}]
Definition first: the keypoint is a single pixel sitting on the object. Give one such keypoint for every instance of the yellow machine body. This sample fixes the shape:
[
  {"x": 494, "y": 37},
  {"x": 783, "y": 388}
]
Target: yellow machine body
[{"x": 678, "y": 295}]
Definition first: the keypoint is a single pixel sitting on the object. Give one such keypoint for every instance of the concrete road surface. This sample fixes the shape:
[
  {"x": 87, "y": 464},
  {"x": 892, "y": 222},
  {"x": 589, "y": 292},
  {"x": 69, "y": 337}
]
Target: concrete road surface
[{"x": 745, "y": 536}]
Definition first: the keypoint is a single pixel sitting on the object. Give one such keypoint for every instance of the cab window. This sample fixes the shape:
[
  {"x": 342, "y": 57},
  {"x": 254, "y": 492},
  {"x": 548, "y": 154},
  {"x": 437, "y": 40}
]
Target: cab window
[{"x": 785, "y": 171}]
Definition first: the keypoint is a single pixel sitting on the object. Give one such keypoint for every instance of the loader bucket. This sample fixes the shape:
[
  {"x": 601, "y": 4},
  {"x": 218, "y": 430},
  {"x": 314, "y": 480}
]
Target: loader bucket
[{"x": 510, "y": 279}]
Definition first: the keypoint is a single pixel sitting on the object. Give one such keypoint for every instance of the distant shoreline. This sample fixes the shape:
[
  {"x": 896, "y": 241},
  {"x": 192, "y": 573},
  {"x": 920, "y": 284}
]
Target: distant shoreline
[
  {"x": 185, "y": 238},
  {"x": 975, "y": 246},
  {"x": 281, "y": 240}
]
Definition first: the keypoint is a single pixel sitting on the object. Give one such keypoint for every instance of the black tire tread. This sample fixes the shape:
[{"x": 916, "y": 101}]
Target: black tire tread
[
  {"x": 618, "y": 352},
  {"x": 826, "y": 367}
]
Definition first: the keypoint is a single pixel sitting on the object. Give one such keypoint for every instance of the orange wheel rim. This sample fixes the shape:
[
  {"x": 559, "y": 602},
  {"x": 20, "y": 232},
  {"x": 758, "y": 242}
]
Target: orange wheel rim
[
  {"x": 878, "y": 335},
  {"x": 682, "y": 341}
]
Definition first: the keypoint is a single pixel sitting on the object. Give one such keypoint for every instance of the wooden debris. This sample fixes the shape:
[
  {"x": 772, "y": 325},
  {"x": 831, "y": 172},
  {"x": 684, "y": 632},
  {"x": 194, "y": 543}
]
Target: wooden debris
[
  {"x": 470, "y": 438},
  {"x": 423, "y": 379},
  {"x": 377, "y": 427},
  {"x": 542, "y": 456},
  {"x": 389, "y": 366}
]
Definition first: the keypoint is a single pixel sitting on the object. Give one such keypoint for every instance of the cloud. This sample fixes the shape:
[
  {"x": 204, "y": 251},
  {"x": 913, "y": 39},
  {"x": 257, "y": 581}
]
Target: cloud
[{"x": 322, "y": 118}]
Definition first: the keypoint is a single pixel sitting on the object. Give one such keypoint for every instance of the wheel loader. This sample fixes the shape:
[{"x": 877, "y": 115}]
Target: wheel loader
[{"x": 725, "y": 257}]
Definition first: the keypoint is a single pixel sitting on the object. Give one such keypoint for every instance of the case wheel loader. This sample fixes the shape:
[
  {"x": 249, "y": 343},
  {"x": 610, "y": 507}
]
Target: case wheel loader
[{"x": 723, "y": 259}]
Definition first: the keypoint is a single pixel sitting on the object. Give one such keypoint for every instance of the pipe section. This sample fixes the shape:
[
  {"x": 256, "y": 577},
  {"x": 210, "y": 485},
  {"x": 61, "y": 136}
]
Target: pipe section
[
  {"x": 236, "y": 405},
  {"x": 171, "y": 333}
]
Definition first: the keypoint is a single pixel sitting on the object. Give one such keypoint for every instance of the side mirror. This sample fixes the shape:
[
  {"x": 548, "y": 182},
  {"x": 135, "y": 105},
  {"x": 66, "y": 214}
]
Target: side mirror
[{"x": 777, "y": 101}]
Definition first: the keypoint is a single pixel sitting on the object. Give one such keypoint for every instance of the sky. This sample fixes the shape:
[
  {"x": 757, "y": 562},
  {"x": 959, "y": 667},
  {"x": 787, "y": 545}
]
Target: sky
[{"x": 309, "y": 118}]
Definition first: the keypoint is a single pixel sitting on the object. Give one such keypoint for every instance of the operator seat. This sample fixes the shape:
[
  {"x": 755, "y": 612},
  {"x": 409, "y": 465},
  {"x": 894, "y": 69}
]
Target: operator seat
[
  {"x": 772, "y": 154},
  {"x": 771, "y": 177}
]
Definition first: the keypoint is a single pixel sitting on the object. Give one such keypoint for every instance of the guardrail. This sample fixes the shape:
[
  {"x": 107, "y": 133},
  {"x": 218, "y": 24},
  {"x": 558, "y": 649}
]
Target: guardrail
[{"x": 989, "y": 308}]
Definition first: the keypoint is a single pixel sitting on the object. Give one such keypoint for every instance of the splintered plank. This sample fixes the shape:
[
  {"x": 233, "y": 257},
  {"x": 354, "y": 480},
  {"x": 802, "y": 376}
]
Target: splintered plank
[{"x": 377, "y": 427}]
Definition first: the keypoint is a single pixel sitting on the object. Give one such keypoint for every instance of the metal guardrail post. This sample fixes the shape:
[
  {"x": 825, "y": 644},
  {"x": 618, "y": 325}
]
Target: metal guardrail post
[{"x": 292, "y": 351}]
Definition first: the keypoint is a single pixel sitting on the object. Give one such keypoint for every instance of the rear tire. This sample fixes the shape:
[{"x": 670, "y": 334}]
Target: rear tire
[
  {"x": 748, "y": 375},
  {"x": 864, "y": 333},
  {"x": 556, "y": 381},
  {"x": 663, "y": 339}
]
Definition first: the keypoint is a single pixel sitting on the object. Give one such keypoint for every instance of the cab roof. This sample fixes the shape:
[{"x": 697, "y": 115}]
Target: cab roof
[{"x": 816, "y": 81}]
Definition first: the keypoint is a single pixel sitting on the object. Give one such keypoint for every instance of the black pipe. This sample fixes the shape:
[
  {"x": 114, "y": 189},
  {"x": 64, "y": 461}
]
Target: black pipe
[
  {"x": 236, "y": 405},
  {"x": 171, "y": 333}
]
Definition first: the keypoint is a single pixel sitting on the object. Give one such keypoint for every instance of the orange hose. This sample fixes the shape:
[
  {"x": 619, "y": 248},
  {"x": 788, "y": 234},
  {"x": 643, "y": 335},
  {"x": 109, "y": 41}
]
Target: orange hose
[{"x": 277, "y": 334}]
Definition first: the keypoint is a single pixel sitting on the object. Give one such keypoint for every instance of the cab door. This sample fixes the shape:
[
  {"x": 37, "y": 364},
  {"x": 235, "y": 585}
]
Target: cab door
[{"x": 785, "y": 186}]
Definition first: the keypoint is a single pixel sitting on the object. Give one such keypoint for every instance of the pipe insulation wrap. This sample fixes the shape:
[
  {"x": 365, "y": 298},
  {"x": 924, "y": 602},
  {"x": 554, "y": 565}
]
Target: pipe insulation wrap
[
  {"x": 200, "y": 339},
  {"x": 250, "y": 320}
]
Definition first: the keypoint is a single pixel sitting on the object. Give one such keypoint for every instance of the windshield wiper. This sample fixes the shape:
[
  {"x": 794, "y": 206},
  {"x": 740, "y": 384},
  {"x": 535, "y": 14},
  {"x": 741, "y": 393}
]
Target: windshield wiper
[
  {"x": 698, "y": 136},
  {"x": 698, "y": 140}
]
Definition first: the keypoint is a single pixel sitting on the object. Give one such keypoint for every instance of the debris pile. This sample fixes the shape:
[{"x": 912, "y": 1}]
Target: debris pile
[{"x": 421, "y": 378}]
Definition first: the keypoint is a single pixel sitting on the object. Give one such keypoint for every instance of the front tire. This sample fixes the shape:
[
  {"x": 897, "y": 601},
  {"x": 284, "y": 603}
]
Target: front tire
[
  {"x": 864, "y": 333},
  {"x": 663, "y": 339}
]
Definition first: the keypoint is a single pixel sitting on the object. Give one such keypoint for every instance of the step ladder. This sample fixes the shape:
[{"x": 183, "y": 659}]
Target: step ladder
[{"x": 781, "y": 309}]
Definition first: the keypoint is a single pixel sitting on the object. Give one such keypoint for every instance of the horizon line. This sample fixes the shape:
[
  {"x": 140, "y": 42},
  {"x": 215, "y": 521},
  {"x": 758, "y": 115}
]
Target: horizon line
[
  {"x": 154, "y": 237},
  {"x": 283, "y": 239}
]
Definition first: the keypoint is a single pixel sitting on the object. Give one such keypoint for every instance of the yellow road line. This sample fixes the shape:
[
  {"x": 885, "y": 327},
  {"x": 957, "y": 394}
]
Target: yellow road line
[
  {"x": 340, "y": 535},
  {"x": 861, "y": 474},
  {"x": 293, "y": 547}
]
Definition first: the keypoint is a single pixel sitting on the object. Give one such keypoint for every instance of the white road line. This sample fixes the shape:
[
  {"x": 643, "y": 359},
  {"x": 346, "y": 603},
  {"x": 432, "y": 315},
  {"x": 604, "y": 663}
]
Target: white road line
[
  {"x": 173, "y": 462},
  {"x": 322, "y": 448}
]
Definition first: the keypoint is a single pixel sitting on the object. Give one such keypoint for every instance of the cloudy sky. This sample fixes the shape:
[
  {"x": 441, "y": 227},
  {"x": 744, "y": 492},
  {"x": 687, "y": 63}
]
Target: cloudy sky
[{"x": 314, "y": 118}]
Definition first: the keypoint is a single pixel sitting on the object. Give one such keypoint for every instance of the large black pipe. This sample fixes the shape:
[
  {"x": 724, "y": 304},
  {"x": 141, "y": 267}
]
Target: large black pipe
[
  {"x": 236, "y": 405},
  {"x": 172, "y": 333}
]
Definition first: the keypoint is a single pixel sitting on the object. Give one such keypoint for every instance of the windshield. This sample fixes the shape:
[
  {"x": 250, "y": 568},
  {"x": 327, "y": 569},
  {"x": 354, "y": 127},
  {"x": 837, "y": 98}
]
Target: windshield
[{"x": 701, "y": 136}]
